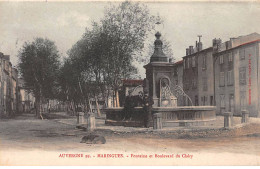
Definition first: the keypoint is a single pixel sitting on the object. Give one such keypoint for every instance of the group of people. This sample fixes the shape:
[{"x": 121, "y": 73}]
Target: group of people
[{"x": 133, "y": 101}]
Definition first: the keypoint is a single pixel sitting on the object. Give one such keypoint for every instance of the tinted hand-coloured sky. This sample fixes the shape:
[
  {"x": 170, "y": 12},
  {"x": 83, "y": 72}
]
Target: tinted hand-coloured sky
[{"x": 65, "y": 22}]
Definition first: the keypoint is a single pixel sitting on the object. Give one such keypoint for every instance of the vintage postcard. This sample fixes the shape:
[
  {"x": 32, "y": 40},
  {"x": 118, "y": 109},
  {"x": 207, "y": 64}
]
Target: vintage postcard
[{"x": 119, "y": 83}]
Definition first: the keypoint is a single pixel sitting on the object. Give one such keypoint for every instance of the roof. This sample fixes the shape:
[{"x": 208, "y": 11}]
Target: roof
[
  {"x": 198, "y": 52},
  {"x": 6, "y": 57},
  {"x": 247, "y": 43},
  {"x": 132, "y": 82},
  {"x": 258, "y": 40},
  {"x": 179, "y": 62}
]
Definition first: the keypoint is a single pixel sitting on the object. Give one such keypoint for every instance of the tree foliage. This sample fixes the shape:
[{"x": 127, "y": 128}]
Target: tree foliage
[
  {"x": 105, "y": 53},
  {"x": 38, "y": 65}
]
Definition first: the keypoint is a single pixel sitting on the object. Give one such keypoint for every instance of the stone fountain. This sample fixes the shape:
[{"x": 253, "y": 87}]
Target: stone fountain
[{"x": 158, "y": 84}]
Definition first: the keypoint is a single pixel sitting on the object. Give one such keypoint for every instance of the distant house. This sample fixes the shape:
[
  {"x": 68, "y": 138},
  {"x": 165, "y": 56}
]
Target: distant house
[{"x": 26, "y": 99}]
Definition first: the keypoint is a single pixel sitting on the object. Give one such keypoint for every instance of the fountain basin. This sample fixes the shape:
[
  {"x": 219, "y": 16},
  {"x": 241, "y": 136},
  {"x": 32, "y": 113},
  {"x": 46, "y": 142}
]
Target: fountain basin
[{"x": 171, "y": 116}]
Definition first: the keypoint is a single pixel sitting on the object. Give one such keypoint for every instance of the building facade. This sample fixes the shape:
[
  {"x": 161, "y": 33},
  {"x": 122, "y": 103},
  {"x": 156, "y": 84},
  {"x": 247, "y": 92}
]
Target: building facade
[
  {"x": 198, "y": 80},
  {"x": 6, "y": 75},
  {"x": 237, "y": 70},
  {"x": 8, "y": 87},
  {"x": 26, "y": 100},
  {"x": 14, "y": 90},
  {"x": 225, "y": 75},
  {"x": 178, "y": 82}
]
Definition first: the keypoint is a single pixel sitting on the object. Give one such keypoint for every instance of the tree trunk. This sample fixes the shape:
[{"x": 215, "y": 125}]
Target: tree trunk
[
  {"x": 114, "y": 100},
  {"x": 74, "y": 108},
  {"x": 49, "y": 107},
  {"x": 117, "y": 99},
  {"x": 41, "y": 108},
  {"x": 97, "y": 105},
  {"x": 38, "y": 101},
  {"x": 90, "y": 106},
  {"x": 37, "y": 107}
]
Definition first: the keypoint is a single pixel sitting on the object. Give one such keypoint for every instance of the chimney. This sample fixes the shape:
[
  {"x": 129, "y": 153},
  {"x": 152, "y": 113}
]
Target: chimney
[
  {"x": 199, "y": 46},
  {"x": 232, "y": 42},
  {"x": 216, "y": 45},
  {"x": 214, "y": 42},
  {"x": 196, "y": 47},
  {"x": 187, "y": 51},
  {"x": 191, "y": 49},
  {"x": 200, "y": 43}
]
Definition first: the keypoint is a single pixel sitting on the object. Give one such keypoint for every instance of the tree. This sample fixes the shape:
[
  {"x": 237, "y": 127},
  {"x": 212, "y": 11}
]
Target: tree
[
  {"x": 105, "y": 53},
  {"x": 38, "y": 65},
  {"x": 126, "y": 27},
  {"x": 108, "y": 49}
]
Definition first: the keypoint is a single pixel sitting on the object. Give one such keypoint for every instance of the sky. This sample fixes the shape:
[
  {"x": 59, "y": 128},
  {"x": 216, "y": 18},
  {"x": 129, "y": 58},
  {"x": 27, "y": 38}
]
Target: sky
[{"x": 65, "y": 22}]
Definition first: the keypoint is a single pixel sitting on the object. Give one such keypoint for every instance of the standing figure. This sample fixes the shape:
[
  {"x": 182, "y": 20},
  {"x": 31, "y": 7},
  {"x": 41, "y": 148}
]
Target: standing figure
[
  {"x": 147, "y": 109},
  {"x": 128, "y": 107}
]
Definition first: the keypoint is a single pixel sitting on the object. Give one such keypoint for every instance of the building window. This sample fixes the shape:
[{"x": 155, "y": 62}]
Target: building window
[
  {"x": 193, "y": 61},
  {"x": 243, "y": 100},
  {"x": 231, "y": 103},
  {"x": 204, "y": 62},
  {"x": 211, "y": 100},
  {"x": 242, "y": 54},
  {"x": 222, "y": 79},
  {"x": 205, "y": 84},
  {"x": 175, "y": 71},
  {"x": 188, "y": 66},
  {"x": 194, "y": 82},
  {"x": 204, "y": 100},
  {"x": 230, "y": 57},
  {"x": 186, "y": 84},
  {"x": 242, "y": 75},
  {"x": 230, "y": 77},
  {"x": 184, "y": 62},
  {"x": 221, "y": 59},
  {"x": 196, "y": 101},
  {"x": 222, "y": 101}
]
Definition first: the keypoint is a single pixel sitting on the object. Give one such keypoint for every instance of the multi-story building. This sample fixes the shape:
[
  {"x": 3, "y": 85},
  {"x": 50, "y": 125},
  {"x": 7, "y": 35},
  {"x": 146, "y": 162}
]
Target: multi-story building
[
  {"x": 198, "y": 81},
  {"x": 177, "y": 81},
  {"x": 237, "y": 70},
  {"x": 7, "y": 73},
  {"x": 14, "y": 90},
  {"x": 8, "y": 86},
  {"x": 1, "y": 83}
]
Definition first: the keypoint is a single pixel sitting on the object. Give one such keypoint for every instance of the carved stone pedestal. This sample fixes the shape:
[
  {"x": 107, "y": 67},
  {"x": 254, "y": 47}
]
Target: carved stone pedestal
[{"x": 157, "y": 121}]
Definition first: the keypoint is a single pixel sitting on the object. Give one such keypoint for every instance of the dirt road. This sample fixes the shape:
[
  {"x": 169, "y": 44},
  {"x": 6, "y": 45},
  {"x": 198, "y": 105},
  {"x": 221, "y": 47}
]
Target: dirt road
[{"x": 20, "y": 138}]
